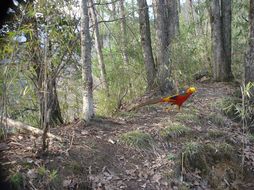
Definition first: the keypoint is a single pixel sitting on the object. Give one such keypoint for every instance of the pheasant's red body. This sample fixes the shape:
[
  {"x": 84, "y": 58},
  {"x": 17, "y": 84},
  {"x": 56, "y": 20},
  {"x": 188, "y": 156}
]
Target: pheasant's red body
[{"x": 179, "y": 99}]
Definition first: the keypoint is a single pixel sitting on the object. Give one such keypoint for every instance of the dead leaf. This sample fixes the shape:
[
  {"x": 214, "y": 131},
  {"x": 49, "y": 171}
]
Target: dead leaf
[
  {"x": 32, "y": 174},
  {"x": 66, "y": 183}
]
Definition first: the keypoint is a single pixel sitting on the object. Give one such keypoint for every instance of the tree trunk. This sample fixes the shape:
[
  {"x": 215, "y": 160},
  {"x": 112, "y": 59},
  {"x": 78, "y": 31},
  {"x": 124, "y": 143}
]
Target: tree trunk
[
  {"x": 163, "y": 36},
  {"x": 192, "y": 17},
  {"x": 173, "y": 20},
  {"x": 55, "y": 117},
  {"x": 249, "y": 62},
  {"x": 124, "y": 33},
  {"x": 98, "y": 48},
  {"x": 146, "y": 43},
  {"x": 221, "y": 38},
  {"x": 88, "y": 110},
  {"x": 38, "y": 67}
]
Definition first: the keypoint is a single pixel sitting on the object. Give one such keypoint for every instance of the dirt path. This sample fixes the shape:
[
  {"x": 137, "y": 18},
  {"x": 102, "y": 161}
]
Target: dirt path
[{"x": 202, "y": 152}]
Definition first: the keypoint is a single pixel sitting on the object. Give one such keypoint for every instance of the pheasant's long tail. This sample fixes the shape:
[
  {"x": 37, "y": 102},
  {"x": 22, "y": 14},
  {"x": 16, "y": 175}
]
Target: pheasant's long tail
[{"x": 147, "y": 102}]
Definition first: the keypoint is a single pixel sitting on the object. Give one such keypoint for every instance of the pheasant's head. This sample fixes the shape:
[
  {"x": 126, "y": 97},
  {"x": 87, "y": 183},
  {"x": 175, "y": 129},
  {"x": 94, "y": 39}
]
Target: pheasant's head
[{"x": 191, "y": 90}]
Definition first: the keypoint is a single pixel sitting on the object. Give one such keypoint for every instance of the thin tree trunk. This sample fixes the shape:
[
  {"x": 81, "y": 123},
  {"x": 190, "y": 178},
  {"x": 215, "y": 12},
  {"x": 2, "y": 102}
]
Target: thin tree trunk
[
  {"x": 226, "y": 32},
  {"x": 88, "y": 110},
  {"x": 98, "y": 48},
  {"x": 124, "y": 33},
  {"x": 192, "y": 17},
  {"x": 146, "y": 43},
  {"x": 177, "y": 8}
]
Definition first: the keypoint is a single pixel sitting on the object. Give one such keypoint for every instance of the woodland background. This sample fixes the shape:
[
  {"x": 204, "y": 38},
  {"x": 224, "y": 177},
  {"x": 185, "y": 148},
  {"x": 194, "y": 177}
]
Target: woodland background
[{"x": 64, "y": 61}]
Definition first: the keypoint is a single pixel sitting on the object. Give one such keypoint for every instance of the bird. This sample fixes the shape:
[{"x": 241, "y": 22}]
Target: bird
[{"x": 177, "y": 99}]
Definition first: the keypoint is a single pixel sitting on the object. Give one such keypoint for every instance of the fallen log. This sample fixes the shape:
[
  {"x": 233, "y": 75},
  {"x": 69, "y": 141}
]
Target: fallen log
[{"x": 7, "y": 122}]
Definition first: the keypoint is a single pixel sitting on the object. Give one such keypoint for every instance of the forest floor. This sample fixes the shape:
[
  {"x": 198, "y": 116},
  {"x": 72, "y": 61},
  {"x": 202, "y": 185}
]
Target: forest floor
[{"x": 195, "y": 148}]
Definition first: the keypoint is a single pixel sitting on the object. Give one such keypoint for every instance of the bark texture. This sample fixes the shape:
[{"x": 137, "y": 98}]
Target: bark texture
[
  {"x": 88, "y": 110},
  {"x": 221, "y": 38},
  {"x": 249, "y": 63},
  {"x": 145, "y": 33},
  {"x": 165, "y": 32}
]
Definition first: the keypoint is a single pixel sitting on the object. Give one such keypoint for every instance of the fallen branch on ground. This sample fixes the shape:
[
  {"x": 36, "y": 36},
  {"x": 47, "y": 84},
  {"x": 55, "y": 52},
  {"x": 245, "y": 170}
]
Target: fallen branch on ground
[{"x": 24, "y": 127}]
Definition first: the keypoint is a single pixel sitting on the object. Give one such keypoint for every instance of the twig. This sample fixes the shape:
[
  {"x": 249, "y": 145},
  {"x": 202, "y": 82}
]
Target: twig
[{"x": 68, "y": 149}]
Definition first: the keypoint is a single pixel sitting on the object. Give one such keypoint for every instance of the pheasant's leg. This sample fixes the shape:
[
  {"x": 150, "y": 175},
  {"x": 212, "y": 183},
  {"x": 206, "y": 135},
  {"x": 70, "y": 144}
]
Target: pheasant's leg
[{"x": 167, "y": 109}]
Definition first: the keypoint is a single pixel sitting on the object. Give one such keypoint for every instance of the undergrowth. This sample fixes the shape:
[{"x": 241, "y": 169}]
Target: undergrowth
[
  {"x": 137, "y": 139},
  {"x": 174, "y": 130}
]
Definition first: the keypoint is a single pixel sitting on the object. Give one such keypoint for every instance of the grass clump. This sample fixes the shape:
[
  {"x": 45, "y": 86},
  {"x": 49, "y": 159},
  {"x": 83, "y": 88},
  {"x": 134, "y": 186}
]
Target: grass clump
[
  {"x": 187, "y": 117},
  {"x": 215, "y": 134},
  {"x": 174, "y": 130},
  {"x": 217, "y": 119},
  {"x": 16, "y": 180},
  {"x": 42, "y": 171},
  {"x": 204, "y": 156},
  {"x": 229, "y": 106},
  {"x": 137, "y": 139}
]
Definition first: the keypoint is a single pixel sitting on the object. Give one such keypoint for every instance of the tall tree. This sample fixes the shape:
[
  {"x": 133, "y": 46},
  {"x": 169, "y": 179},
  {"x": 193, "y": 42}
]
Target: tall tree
[
  {"x": 38, "y": 59},
  {"x": 165, "y": 32},
  {"x": 146, "y": 43},
  {"x": 249, "y": 61},
  {"x": 98, "y": 47},
  {"x": 88, "y": 110},
  {"x": 174, "y": 18},
  {"x": 220, "y": 15}
]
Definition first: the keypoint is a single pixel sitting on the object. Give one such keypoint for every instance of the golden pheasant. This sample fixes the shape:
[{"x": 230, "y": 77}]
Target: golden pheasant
[{"x": 177, "y": 99}]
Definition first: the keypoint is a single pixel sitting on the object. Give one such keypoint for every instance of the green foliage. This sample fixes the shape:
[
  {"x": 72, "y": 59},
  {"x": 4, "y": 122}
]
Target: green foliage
[
  {"x": 137, "y": 139},
  {"x": 106, "y": 106},
  {"x": 239, "y": 108},
  {"x": 50, "y": 176},
  {"x": 174, "y": 130},
  {"x": 191, "y": 50},
  {"x": 42, "y": 171},
  {"x": 192, "y": 148},
  {"x": 16, "y": 180},
  {"x": 229, "y": 106},
  {"x": 53, "y": 176},
  {"x": 171, "y": 156}
]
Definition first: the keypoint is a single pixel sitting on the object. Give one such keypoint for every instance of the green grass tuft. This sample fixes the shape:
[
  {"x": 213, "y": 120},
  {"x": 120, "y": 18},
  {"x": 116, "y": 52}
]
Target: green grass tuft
[
  {"x": 137, "y": 139},
  {"x": 42, "y": 171},
  {"x": 174, "y": 130},
  {"x": 229, "y": 106},
  {"x": 16, "y": 180},
  {"x": 192, "y": 148}
]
